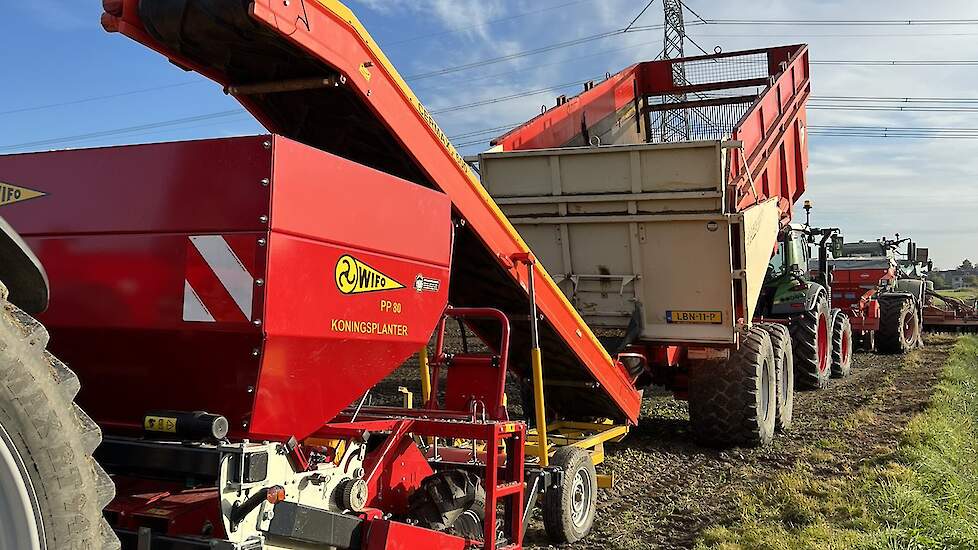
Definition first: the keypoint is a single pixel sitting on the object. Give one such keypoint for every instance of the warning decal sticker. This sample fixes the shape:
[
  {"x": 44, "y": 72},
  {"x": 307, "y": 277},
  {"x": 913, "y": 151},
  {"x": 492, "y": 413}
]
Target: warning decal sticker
[
  {"x": 356, "y": 277},
  {"x": 10, "y": 194}
]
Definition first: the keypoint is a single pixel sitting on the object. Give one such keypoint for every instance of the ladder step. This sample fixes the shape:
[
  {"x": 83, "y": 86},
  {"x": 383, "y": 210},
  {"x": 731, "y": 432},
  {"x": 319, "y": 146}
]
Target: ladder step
[{"x": 507, "y": 489}]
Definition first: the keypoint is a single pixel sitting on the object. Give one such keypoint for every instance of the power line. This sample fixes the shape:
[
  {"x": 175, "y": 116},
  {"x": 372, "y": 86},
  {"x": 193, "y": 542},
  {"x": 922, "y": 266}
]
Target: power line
[
  {"x": 486, "y": 23},
  {"x": 99, "y": 98},
  {"x": 845, "y": 22},
  {"x": 899, "y": 62},
  {"x": 531, "y": 52},
  {"x": 513, "y": 56},
  {"x": 117, "y": 131},
  {"x": 843, "y": 35},
  {"x": 639, "y": 16},
  {"x": 534, "y": 68},
  {"x": 519, "y": 95}
]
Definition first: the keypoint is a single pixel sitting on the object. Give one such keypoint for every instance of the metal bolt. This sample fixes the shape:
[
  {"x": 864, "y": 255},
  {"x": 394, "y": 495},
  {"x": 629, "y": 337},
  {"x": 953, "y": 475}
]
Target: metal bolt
[
  {"x": 260, "y": 282},
  {"x": 244, "y": 424},
  {"x": 265, "y": 182},
  {"x": 262, "y": 242},
  {"x": 263, "y": 219},
  {"x": 257, "y": 322},
  {"x": 267, "y": 144},
  {"x": 251, "y": 389},
  {"x": 255, "y": 352}
]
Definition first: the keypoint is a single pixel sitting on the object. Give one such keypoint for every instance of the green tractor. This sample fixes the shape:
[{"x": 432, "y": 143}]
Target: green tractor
[{"x": 800, "y": 298}]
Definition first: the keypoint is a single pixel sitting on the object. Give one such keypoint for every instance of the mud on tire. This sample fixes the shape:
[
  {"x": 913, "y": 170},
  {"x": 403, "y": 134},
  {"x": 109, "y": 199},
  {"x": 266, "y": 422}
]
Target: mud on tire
[
  {"x": 811, "y": 343},
  {"x": 734, "y": 402},
  {"x": 451, "y": 501},
  {"x": 785, "y": 373},
  {"x": 51, "y": 438},
  {"x": 899, "y": 325},
  {"x": 841, "y": 344}
]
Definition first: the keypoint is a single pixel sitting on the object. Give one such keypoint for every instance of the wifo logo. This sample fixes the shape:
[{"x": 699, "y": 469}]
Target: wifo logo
[
  {"x": 10, "y": 193},
  {"x": 356, "y": 277}
]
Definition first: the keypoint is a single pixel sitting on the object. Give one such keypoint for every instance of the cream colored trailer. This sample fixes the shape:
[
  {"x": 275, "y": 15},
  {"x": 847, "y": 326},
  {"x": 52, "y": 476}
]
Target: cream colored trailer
[{"x": 641, "y": 237}]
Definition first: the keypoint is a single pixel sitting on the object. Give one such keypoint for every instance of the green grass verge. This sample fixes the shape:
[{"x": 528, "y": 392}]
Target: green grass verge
[
  {"x": 966, "y": 294},
  {"x": 922, "y": 496}
]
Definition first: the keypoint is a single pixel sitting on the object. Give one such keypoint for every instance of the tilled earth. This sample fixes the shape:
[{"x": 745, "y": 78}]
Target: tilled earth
[{"x": 668, "y": 489}]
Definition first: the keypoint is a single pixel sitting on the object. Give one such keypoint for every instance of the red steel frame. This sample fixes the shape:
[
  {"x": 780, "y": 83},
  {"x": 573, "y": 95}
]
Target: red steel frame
[{"x": 338, "y": 40}]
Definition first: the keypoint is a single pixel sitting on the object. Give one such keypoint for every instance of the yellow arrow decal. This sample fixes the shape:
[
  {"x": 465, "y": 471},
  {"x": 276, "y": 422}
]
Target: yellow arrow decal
[{"x": 10, "y": 194}]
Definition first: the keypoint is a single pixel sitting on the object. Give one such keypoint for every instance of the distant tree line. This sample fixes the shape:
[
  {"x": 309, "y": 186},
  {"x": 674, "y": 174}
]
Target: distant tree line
[{"x": 942, "y": 280}]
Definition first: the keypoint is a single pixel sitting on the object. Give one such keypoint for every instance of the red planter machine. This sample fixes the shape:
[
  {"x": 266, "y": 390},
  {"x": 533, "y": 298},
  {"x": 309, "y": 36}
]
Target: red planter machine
[{"x": 272, "y": 280}]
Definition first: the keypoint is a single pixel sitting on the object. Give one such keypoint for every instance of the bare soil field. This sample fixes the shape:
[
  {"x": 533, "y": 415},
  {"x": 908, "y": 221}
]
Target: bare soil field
[{"x": 668, "y": 489}]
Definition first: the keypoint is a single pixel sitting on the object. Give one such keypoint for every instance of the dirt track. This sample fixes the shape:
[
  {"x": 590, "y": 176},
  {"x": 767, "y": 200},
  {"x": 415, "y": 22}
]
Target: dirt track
[{"x": 669, "y": 489}]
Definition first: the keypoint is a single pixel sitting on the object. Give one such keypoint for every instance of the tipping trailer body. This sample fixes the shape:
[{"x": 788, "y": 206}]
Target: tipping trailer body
[
  {"x": 662, "y": 243},
  {"x": 311, "y": 72}
]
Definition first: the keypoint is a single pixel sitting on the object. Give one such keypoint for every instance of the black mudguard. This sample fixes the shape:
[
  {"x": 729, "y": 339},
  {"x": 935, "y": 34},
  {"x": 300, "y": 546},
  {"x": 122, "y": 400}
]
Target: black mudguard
[{"x": 21, "y": 272}]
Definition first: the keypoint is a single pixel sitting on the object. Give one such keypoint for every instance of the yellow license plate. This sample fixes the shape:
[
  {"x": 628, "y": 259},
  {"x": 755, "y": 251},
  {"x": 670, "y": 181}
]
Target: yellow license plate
[{"x": 695, "y": 317}]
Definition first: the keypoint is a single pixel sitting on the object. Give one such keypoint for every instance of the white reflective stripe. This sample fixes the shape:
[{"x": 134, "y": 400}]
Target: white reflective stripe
[
  {"x": 225, "y": 264},
  {"x": 193, "y": 308}
]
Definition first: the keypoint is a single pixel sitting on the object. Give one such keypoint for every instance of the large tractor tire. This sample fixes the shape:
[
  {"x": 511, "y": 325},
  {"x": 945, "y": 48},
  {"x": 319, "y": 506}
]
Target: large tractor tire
[
  {"x": 785, "y": 373},
  {"x": 841, "y": 344},
  {"x": 451, "y": 501},
  {"x": 568, "y": 512},
  {"x": 52, "y": 491},
  {"x": 899, "y": 325},
  {"x": 811, "y": 339},
  {"x": 735, "y": 402}
]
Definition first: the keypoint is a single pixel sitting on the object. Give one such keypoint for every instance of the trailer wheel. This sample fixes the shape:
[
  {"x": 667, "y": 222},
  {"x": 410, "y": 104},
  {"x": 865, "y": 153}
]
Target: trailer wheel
[
  {"x": 735, "y": 402},
  {"x": 899, "y": 325},
  {"x": 52, "y": 491},
  {"x": 451, "y": 501},
  {"x": 841, "y": 344},
  {"x": 785, "y": 373},
  {"x": 569, "y": 508},
  {"x": 811, "y": 342}
]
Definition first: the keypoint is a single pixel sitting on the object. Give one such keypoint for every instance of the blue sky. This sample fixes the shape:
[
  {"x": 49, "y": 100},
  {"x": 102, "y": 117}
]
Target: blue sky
[{"x": 55, "y": 52}]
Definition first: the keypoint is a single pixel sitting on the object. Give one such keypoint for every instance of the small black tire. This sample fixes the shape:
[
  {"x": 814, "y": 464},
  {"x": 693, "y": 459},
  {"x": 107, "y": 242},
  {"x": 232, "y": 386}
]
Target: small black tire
[
  {"x": 50, "y": 442},
  {"x": 841, "y": 344},
  {"x": 570, "y": 506},
  {"x": 450, "y": 501},
  {"x": 734, "y": 402},
  {"x": 899, "y": 326},
  {"x": 785, "y": 378},
  {"x": 812, "y": 346}
]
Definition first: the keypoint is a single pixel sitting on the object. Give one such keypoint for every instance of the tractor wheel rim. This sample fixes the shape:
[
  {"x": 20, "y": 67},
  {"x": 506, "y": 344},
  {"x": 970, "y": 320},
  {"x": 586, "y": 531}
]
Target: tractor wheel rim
[
  {"x": 786, "y": 382},
  {"x": 19, "y": 511},
  {"x": 909, "y": 326},
  {"x": 846, "y": 348},
  {"x": 823, "y": 343},
  {"x": 765, "y": 390},
  {"x": 581, "y": 498}
]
